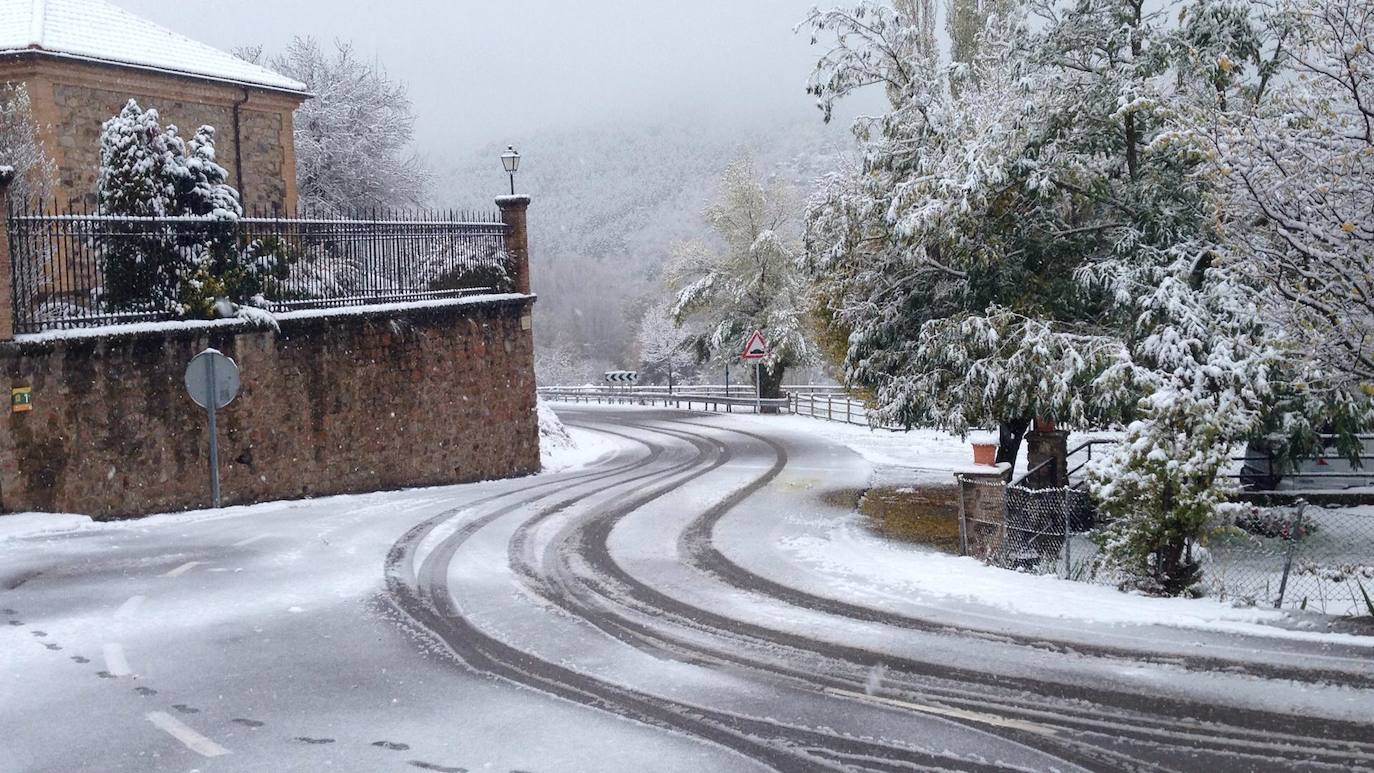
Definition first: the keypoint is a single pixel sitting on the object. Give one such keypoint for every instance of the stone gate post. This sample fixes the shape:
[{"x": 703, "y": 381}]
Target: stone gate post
[
  {"x": 6, "y": 259},
  {"x": 1049, "y": 446},
  {"x": 513, "y": 211}
]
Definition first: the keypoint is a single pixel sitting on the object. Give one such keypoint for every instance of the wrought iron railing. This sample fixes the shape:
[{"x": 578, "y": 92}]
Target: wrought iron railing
[{"x": 65, "y": 265}]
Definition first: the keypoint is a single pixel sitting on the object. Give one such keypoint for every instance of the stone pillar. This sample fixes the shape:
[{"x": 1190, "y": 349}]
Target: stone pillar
[
  {"x": 513, "y": 210},
  {"x": 1051, "y": 449},
  {"x": 6, "y": 260},
  {"x": 982, "y": 514}
]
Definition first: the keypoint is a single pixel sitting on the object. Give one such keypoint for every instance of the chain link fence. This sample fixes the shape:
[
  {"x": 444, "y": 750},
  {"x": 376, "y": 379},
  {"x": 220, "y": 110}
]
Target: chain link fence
[
  {"x": 1299, "y": 557},
  {"x": 1031, "y": 530},
  {"x": 1296, "y": 557}
]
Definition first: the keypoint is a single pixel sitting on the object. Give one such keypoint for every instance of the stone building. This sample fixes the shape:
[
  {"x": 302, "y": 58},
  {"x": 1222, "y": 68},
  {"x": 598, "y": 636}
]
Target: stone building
[{"x": 81, "y": 60}]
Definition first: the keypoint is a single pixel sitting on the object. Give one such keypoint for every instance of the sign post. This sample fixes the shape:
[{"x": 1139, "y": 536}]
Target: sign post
[
  {"x": 213, "y": 382},
  {"x": 757, "y": 350}
]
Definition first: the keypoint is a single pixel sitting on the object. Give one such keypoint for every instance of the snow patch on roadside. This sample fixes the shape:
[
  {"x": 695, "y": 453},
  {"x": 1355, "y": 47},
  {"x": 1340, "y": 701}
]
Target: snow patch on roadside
[
  {"x": 934, "y": 456},
  {"x": 562, "y": 448},
  {"x": 21, "y": 525},
  {"x": 865, "y": 564}
]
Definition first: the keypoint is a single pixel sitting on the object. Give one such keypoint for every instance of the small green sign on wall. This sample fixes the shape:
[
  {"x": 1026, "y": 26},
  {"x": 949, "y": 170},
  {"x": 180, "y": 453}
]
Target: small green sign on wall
[{"x": 21, "y": 399}]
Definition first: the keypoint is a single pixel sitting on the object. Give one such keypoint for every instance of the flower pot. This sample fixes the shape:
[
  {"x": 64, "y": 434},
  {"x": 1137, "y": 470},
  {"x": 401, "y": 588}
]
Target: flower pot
[{"x": 985, "y": 453}]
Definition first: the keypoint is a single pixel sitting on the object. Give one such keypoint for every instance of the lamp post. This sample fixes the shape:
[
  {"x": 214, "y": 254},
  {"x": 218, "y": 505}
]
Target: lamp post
[{"x": 510, "y": 160}]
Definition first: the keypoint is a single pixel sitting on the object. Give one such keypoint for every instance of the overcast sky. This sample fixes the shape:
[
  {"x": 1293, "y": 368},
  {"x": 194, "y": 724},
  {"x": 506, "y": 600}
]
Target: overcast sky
[{"x": 480, "y": 72}]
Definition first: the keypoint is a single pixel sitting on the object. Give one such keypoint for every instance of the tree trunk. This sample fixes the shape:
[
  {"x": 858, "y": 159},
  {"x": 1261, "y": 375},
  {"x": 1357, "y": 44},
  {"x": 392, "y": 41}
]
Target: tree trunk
[
  {"x": 1009, "y": 435},
  {"x": 772, "y": 384}
]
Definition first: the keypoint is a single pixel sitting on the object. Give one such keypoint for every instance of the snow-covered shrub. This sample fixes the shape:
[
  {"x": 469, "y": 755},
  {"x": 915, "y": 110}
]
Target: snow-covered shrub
[{"x": 148, "y": 171}]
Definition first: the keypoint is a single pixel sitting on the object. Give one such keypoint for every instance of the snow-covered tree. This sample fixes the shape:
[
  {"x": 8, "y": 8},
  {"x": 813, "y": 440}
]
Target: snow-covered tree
[
  {"x": 664, "y": 347},
  {"x": 949, "y": 252},
  {"x": 751, "y": 282},
  {"x": 20, "y": 147},
  {"x": 354, "y": 135},
  {"x": 1039, "y": 232},
  {"x": 1300, "y": 149},
  {"x": 965, "y": 21},
  {"x": 149, "y": 171}
]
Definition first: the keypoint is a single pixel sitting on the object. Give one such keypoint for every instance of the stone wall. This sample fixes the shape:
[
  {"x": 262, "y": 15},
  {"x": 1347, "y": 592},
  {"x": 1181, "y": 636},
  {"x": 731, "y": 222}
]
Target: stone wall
[
  {"x": 350, "y": 402},
  {"x": 72, "y": 101}
]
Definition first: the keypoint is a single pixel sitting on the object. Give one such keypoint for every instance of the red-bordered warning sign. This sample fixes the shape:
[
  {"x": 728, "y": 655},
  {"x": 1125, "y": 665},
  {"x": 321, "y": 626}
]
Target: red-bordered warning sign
[{"x": 757, "y": 348}]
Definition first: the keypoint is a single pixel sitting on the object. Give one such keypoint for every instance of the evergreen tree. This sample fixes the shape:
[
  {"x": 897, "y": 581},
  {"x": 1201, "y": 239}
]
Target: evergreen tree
[{"x": 181, "y": 267}]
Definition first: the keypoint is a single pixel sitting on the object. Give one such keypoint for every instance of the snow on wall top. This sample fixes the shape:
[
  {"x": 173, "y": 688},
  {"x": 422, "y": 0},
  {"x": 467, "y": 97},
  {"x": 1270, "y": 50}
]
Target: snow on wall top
[{"x": 96, "y": 30}]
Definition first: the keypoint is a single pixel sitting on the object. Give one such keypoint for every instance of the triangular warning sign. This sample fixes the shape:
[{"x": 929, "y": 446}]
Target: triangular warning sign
[{"x": 757, "y": 348}]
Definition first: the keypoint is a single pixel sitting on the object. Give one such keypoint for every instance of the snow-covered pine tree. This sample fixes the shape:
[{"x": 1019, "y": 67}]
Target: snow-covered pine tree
[
  {"x": 142, "y": 270},
  {"x": 147, "y": 170},
  {"x": 753, "y": 283}
]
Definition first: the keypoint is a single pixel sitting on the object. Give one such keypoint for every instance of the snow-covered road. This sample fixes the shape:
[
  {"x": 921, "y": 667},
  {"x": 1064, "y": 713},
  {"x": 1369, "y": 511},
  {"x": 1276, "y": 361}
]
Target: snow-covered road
[{"x": 698, "y": 598}]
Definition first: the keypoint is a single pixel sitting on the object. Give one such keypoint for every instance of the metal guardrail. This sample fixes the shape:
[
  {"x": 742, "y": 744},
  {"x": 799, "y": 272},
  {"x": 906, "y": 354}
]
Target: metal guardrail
[
  {"x": 705, "y": 402},
  {"x": 830, "y": 403},
  {"x": 833, "y": 407},
  {"x": 734, "y": 390}
]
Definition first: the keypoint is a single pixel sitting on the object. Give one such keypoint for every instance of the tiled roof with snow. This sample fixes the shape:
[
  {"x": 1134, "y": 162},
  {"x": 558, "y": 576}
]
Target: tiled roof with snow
[{"x": 98, "y": 31}]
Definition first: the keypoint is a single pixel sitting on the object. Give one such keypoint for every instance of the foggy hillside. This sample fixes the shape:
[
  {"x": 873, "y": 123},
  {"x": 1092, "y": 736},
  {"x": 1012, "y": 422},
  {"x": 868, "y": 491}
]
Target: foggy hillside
[{"x": 609, "y": 202}]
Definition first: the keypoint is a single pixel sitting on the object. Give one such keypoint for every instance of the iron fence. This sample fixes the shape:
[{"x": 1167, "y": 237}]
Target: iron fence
[{"x": 67, "y": 263}]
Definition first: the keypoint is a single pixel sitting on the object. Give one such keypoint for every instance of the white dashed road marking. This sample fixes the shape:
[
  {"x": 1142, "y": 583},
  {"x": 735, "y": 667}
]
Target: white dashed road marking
[
  {"x": 188, "y": 737},
  {"x": 246, "y": 542},
  {"x": 115, "y": 662},
  {"x": 183, "y": 569},
  {"x": 130, "y": 608}
]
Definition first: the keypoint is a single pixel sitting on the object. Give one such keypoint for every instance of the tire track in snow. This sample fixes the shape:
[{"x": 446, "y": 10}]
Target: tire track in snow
[{"x": 1339, "y": 751}]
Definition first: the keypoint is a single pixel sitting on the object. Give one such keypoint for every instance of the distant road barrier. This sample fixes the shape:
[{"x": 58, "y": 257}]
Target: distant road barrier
[
  {"x": 830, "y": 403},
  {"x": 689, "y": 401}
]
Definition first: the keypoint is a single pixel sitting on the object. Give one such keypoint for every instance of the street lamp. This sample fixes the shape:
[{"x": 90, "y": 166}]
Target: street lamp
[{"x": 511, "y": 161}]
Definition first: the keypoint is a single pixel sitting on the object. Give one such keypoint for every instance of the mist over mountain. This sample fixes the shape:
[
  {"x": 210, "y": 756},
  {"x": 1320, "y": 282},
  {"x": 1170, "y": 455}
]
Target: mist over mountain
[{"x": 610, "y": 201}]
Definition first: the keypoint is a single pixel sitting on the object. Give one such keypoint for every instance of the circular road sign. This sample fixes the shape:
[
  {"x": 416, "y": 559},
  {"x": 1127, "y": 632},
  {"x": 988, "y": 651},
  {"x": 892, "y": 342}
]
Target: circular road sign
[{"x": 212, "y": 378}]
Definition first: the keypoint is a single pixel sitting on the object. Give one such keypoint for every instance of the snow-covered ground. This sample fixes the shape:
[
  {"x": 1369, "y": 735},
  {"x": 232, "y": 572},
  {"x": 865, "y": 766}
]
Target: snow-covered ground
[
  {"x": 928, "y": 456},
  {"x": 851, "y": 555},
  {"x": 34, "y": 524}
]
